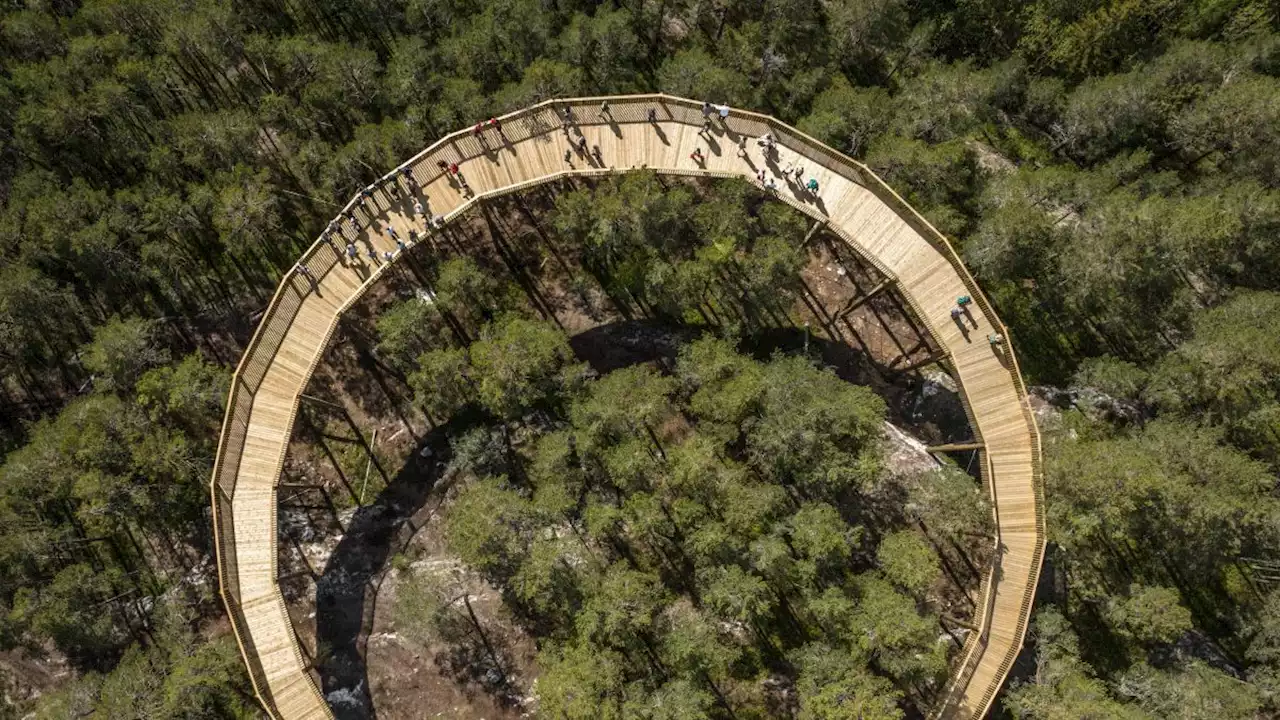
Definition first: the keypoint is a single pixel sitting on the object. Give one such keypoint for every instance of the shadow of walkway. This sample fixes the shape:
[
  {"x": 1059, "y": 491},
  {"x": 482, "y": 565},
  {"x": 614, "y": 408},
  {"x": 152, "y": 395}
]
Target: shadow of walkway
[
  {"x": 616, "y": 345},
  {"x": 347, "y": 590}
]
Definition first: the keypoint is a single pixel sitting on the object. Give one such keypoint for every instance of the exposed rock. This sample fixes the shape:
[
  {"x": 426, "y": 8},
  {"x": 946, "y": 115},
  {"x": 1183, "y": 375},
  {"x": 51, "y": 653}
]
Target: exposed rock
[
  {"x": 352, "y": 697},
  {"x": 906, "y": 455},
  {"x": 1090, "y": 401}
]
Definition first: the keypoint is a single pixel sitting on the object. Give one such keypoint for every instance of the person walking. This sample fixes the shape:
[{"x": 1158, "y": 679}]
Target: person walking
[
  {"x": 568, "y": 156},
  {"x": 453, "y": 170},
  {"x": 388, "y": 255},
  {"x": 400, "y": 246},
  {"x": 653, "y": 115},
  {"x": 417, "y": 207},
  {"x": 568, "y": 116},
  {"x": 392, "y": 234},
  {"x": 724, "y": 114},
  {"x": 604, "y": 110},
  {"x": 351, "y": 250},
  {"x": 697, "y": 156},
  {"x": 582, "y": 144},
  {"x": 493, "y": 123},
  {"x": 760, "y": 176},
  {"x": 742, "y": 146},
  {"x": 812, "y": 185},
  {"x": 799, "y": 174},
  {"x": 706, "y": 128},
  {"x": 706, "y": 108}
]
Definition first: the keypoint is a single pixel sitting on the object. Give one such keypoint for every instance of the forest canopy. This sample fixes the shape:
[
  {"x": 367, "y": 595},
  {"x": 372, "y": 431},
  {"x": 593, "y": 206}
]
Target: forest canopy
[{"x": 1109, "y": 169}]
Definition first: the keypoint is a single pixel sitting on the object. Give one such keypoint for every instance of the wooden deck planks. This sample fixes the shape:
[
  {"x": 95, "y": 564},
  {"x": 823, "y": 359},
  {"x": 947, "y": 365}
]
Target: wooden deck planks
[{"x": 881, "y": 228}]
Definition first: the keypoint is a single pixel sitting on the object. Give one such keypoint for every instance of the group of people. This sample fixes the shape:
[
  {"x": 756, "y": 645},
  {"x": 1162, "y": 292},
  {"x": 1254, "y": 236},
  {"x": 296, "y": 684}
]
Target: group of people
[
  {"x": 365, "y": 198},
  {"x": 391, "y": 185},
  {"x": 493, "y": 123},
  {"x": 960, "y": 311}
]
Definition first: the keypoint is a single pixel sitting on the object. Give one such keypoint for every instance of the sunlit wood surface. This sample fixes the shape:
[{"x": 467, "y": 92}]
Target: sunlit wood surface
[{"x": 530, "y": 150}]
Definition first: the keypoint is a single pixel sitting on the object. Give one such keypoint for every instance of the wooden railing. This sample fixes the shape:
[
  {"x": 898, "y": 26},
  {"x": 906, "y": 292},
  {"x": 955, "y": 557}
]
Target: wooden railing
[{"x": 543, "y": 120}]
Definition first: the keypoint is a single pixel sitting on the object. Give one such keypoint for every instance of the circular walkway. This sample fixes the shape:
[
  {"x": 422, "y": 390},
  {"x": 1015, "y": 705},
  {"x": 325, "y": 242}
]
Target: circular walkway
[{"x": 539, "y": 145}]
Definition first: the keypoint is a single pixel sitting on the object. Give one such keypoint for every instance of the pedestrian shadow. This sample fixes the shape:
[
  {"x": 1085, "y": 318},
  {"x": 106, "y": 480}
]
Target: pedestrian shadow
[
  {"x": 662, "y": 136},
  {"x": 964, "y": 329}
]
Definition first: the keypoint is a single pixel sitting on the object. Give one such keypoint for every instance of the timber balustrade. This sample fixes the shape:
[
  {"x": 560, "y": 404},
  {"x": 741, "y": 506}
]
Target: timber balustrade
[{"x": 852, "y": 203}]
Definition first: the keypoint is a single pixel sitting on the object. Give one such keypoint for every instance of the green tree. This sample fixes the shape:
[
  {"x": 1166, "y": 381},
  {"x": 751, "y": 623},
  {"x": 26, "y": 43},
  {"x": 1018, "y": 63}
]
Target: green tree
[
  {"x": 190, "y": 395},
  {"x": 736, "y": 594},
  {"x": 489, "y": 527},
  {"x": 941, "y": 181},
  {"x": 468, "y": 292},
  {"x": 442, "y": 382},
  {"x": 625, "y": 403},
  {"x": 1150, "y": 614},
  {"x": 518, "y": 364},
  {"x": 676, "y": 700},
  {"x": 815, "y": 430},
  {"x": 695, "y": 73},
  {"x": 69, "y": 612},
  {"x": 908, "y": 562},
  {"x": 407, "y": 330},
  {"x": 581, "y": 682},
  {"x": 836, "y": 685},
  {"x": 1227, "y": 372},
  {"x": 625, "y": 609},
  {"x": 820, "y": 536},
  {"x": 121, "y": 351},
  {"x": 1230, "y": 127},
  {"x": 903, "y": 642},
  {"x": 1064, "y": 685}
]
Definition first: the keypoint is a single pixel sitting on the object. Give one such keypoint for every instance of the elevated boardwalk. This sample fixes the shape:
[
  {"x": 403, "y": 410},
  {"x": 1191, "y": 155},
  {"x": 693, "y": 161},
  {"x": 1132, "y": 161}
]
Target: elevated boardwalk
[{"x": 852, "y": 202}]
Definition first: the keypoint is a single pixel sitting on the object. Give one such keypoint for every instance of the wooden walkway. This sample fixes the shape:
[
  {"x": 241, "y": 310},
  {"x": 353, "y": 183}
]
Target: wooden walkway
[{"x": 530, "y": 149}]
